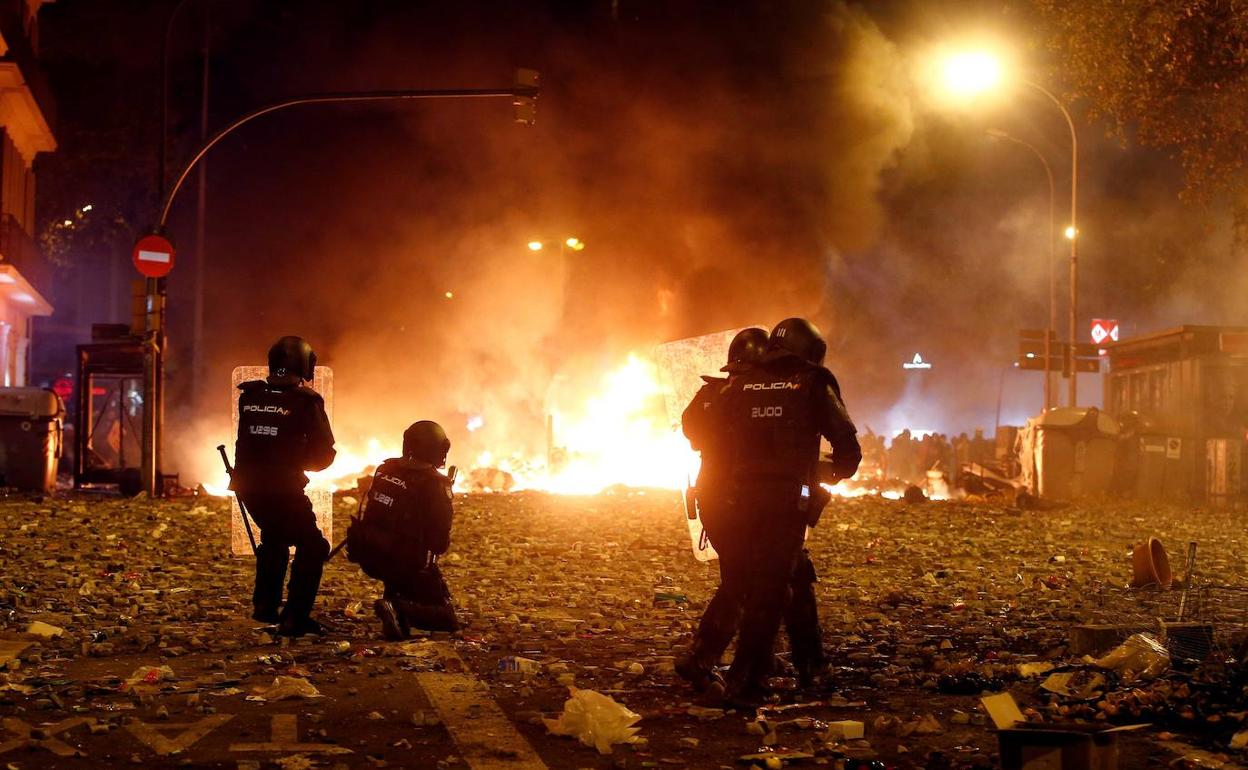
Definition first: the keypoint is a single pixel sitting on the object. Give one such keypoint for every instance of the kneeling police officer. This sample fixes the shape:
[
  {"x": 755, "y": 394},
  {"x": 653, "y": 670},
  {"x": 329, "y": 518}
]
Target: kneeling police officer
[
  {"x": 283, "y": 431},
  {"x": 405, "y": 526}
]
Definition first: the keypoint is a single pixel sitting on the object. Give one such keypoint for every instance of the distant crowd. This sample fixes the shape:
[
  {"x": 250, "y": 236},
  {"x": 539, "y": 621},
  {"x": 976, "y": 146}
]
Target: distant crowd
[{"x": 909, "y": 459}]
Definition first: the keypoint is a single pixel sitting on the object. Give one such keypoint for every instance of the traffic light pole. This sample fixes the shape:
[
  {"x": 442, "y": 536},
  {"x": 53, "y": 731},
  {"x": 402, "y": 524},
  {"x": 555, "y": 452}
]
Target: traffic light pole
[
  {"x": 522, "y": 91},
  {"x": 523, "y": 95}
]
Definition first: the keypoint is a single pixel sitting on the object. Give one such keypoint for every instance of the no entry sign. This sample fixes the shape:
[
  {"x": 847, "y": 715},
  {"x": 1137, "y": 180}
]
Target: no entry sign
[{"x": 153, "y": 256}]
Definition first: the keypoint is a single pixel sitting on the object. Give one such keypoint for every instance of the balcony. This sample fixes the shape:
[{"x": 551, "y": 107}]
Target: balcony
[{"x": 21, "y": 252}]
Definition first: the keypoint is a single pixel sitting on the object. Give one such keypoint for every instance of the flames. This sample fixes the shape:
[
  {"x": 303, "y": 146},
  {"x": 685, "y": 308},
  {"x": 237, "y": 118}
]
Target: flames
[
  {"x": 620, "y": 434},
  {"x": 619, "y": 431}
]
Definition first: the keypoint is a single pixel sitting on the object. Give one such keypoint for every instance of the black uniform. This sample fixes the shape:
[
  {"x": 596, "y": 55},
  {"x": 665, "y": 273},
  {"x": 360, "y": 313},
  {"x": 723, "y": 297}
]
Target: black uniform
[
  {"x": 282, "y": 432},
  {"x": 723, "y": 613},
  {"x": 773, "y": 416},
  {"x": 406, "y": 525}
]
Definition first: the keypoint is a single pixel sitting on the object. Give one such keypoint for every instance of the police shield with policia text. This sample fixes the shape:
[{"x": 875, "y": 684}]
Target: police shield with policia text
[
  {"x": 771, "y": 418},
  {"x": 283, "y": 431},
  {"x": 405, "y": 526}
]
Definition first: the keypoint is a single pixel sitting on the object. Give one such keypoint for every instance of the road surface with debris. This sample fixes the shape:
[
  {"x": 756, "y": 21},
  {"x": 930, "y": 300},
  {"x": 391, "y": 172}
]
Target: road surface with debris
[{"x": 141, "y": 651}]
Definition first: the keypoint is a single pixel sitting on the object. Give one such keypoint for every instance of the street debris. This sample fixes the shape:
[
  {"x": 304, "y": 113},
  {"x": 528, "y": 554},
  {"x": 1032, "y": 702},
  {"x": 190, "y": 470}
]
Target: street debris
[
  {"x": 924, "y": 610},
  {"x": 285, "y": 688},
  {"x": 1140, "y": 657},
  {"x": 44, "y": 630},
  {"x": 595, "y": 720}
]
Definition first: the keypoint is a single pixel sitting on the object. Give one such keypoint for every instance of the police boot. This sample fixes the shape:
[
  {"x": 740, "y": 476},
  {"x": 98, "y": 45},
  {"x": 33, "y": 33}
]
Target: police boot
[
  {"x": 815, "y": 677},
  {"x": 428, "y": 617},
  {"x": 392, "y": 626},
  {"x": 292, "y": 626},
  {"x": 266, "y": 614},
  {"x": 739, "y": 693},
  {"x": 697, "y": 666}
]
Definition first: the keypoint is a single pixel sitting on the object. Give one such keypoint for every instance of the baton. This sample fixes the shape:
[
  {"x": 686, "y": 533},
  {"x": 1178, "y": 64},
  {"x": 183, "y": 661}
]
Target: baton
[
  {"x": 334, "y": 551},
  {"x": 241, "y": 508}
]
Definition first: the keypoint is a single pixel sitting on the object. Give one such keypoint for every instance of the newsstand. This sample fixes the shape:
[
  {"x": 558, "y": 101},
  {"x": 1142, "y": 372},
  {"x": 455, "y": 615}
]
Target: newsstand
[{"x": 31, "y": 430}]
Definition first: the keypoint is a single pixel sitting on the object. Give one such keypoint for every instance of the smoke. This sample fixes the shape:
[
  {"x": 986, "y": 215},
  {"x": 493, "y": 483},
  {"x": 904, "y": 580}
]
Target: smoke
[
  {"x": 723, "y": 166},
  {"x": 714, "y": 186}
]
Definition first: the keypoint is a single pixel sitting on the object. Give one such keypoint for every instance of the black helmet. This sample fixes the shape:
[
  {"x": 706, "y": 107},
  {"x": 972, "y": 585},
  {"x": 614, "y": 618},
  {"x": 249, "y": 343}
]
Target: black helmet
[
  {"x": 746, "y": 348},
  {"x": 292, "y": 356},
  {"x": 426, "y": 441},
  {"x": 799, "y": 337}
]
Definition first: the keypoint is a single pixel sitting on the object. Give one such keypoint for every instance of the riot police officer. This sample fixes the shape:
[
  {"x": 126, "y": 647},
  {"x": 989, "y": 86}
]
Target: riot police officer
[
  {"x": 283, "y": 431},
  {"x": 719, "y": 621},
  {"x": 406, "y": 525},
  {"x": 773, "y": 416}
]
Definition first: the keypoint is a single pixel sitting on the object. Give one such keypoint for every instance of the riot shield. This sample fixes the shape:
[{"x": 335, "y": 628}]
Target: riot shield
[
  {"x": 322, "y": 499},
  {"x": 681, "y": 365}
]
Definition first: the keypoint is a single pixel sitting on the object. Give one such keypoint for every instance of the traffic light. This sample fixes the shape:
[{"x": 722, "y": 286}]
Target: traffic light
[
  {"x": 526, "y": 105},
  {"x": 138, "y": 307},
  {"x": 1031, "y": 354}
]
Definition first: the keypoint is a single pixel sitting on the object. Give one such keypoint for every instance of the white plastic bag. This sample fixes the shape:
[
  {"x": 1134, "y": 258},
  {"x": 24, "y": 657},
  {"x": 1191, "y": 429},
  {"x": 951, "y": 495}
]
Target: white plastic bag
[
  {"x": 285, "y": 687},
  {"x": 595, "y": 720},
  {"x": 1140, "y": 657}
]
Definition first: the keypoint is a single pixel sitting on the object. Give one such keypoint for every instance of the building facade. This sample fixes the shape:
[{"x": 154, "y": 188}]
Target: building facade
[
  {"x": 1187, "y": 389},
  {"x": 26, "y": 117}
]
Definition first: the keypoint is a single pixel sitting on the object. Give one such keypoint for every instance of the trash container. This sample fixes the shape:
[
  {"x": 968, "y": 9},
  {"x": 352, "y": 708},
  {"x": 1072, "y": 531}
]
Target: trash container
[{"x": 31, "y": 421}]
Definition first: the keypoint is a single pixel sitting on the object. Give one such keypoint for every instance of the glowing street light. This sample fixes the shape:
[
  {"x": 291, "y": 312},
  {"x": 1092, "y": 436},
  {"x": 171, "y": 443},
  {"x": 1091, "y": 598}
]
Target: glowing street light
[
  {"x": 571, "y": 242},
  {"x": 969, "y": 73}
]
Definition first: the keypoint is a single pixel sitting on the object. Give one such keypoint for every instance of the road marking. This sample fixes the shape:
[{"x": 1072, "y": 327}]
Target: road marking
[
  {"x": 50, "y": 743},
  {"x": 191, "y": 733},
  {"x": 485, "y": 737},
  {"x": 284, "y": 736}
]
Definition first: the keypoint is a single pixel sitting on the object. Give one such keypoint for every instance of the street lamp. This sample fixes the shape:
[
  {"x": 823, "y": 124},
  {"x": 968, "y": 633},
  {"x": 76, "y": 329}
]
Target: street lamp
[
  {"x": 571, "y": 242},
  {"x": 969, "y": 73},
  {"x": 1049, "y": 395}
]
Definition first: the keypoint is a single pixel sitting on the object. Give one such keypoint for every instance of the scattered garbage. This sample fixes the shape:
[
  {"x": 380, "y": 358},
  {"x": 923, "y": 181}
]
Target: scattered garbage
[
  {"x": 1140, "y": 657},
  {"x": 44, "y": 630},
  {"x": 148, "y": 675},
  {"x": 844, "y": 730},
  {"x": 1150, "y": 566},
  {"x": 515, "y": 664},
  {"x": 285, "y": 688},
  {"x": 595, "y": 720},
  {"x": 1074, "y": 684},
  {"x": 1064, "y": 746},
  {"x": 961, "y": 600}
]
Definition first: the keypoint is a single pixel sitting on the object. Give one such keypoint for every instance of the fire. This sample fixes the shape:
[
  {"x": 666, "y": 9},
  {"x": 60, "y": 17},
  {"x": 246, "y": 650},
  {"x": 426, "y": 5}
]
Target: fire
[
  {"x": 619, "y": 435},
  {"x": 620, "y": 432}
]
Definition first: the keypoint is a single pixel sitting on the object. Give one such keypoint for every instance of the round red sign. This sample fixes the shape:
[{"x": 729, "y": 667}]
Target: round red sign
[{"x": 153, "y": 256}]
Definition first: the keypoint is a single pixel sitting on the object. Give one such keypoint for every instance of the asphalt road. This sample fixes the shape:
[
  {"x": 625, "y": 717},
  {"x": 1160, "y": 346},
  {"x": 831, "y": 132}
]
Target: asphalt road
[{"x": 600, "y": 593}]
